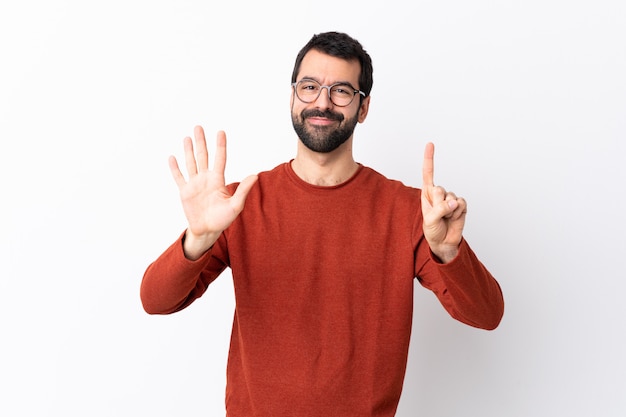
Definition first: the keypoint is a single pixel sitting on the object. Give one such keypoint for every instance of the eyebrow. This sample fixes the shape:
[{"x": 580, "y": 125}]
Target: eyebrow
[{"x": 349, "y": 84}]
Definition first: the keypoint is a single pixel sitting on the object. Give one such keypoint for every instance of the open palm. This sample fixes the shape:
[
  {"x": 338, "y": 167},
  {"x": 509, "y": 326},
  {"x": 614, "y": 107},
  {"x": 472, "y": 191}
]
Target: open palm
[{"x": 207, "y": 204}]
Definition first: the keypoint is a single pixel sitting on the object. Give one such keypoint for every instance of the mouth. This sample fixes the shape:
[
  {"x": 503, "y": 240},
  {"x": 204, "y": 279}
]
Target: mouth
[{"x": 321, "y": 119}]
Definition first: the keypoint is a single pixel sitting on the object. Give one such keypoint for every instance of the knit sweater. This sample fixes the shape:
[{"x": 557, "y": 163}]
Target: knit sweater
[{"x": 323, "y": 280}]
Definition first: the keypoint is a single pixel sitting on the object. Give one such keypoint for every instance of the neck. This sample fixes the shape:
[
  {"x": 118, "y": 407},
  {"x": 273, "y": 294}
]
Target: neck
[{"x": 325, "y": 169}]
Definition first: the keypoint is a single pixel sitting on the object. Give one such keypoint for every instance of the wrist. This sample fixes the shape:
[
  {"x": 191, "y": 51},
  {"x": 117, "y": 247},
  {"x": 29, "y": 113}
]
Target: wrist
[
  {"x": 446, "y": 254},
  {"x": 194, "y": 246}
]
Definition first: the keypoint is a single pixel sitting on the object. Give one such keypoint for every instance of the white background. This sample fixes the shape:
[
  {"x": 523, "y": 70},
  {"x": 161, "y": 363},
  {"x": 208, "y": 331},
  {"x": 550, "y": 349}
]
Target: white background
[{"x": 524, "y": 100}]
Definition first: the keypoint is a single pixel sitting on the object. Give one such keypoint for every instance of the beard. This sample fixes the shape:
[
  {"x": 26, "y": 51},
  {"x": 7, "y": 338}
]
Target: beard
[{"x": 323, "y": 139}]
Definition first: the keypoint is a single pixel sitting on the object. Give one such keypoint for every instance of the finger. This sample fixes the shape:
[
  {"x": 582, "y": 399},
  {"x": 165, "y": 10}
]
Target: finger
[
  {"x": 451, "y": 200},
  {"x": 202, "y": 154},
  {"x": 438, "y": 194},
  {"x": 428, "y": 167},
  {"x": 444, "y": 204},
  {"x": 428, "y": 172},
  {"x": 450, "y": 196},
  {"x": 175, "y": 170},
  {"x": 460, "y": 210},
  {"x": 219, "y": 164},
  {"x": 241, "y": 193},
  {"x": 457, "y": 207},
  {"x": 190, "y": 159},
  {"x": 434, "y": 195}
]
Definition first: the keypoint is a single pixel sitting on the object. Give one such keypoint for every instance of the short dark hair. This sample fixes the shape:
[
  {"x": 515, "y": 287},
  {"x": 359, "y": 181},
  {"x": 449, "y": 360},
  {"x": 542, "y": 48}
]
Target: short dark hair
[{"x": 339, "y": 45}]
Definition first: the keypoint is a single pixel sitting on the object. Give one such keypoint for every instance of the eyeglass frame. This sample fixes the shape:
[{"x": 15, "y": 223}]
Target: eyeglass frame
[{"x": 327, "y": 87}]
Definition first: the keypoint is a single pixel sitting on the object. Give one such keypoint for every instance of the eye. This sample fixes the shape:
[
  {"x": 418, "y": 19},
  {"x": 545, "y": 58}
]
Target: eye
[
  {"x": 343, "y": 90},
  {"x": 308, "y": 86}
]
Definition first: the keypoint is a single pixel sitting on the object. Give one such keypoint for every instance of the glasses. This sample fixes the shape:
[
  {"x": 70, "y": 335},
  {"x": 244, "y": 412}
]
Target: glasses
[{"x": 340, "y": 94}]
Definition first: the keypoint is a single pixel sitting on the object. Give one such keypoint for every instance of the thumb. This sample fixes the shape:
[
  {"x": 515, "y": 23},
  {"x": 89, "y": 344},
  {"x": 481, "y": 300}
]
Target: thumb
[
  {"x": 441, "y": 210},
  {"x": 241, "y": 193}
]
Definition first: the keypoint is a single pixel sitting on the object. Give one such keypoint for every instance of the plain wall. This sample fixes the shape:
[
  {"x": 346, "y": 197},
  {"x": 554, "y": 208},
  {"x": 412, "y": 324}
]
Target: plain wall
[{"x": 524, "y": 100}]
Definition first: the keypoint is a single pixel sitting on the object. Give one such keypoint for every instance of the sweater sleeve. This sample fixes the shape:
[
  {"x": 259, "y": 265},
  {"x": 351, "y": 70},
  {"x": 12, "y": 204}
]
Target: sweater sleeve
[
  {"x": 465, "y": 288},
  {"x": 172, "y": 282}
]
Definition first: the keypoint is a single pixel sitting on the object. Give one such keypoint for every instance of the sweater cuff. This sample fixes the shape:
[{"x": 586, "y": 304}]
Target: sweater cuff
[
  {"x": 185, "y": 262},
  {"x": 462, "y": 247}
]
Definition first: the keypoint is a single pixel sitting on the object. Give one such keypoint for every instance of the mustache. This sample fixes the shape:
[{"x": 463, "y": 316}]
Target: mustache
[{"x": 318, "y": 113}]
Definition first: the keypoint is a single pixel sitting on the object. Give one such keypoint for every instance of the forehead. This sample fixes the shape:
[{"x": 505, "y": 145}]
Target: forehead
[{"x": 329, "y": 69}]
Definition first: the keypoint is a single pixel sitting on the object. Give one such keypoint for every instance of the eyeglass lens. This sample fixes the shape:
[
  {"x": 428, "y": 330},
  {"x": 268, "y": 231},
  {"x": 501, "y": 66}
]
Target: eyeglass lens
[{"x": 340, "y": 94}]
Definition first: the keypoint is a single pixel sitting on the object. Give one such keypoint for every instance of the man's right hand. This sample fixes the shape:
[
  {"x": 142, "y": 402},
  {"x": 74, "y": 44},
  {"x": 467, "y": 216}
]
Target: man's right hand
[{"x": 207, "y": 204}]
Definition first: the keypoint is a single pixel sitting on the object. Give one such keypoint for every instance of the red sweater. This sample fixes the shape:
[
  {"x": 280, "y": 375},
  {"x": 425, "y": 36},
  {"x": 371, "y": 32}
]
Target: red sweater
[{"x": 323, "y": 280}]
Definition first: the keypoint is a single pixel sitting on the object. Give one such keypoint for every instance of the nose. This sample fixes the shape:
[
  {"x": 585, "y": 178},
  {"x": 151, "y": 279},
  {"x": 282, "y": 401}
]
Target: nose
[{"x": 323, "y": 100}]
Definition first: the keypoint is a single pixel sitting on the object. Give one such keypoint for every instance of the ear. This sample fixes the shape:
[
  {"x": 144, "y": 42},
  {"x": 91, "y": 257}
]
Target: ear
[{"x": 364, "y": 108}]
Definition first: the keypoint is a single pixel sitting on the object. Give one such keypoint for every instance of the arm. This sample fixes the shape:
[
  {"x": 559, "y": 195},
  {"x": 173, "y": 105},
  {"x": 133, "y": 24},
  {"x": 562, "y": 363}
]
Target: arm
[
  {"x": 172, "y": 281},
  {"x": 464, "y": 286},
  {"x": 184, "y": 270},
  {"x": 452, "y": 271}
]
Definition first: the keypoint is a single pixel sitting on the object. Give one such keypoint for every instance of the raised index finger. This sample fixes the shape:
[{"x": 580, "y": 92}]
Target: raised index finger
[
  {"x": 428, "y": 167},
  {"x": 428, "y": 172}
]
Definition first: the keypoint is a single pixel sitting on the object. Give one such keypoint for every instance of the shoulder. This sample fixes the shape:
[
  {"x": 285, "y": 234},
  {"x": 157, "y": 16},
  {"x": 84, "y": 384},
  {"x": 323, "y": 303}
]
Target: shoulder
[
  {"x": 375, "y": 180},
  {"x": 265, "y": 177}
]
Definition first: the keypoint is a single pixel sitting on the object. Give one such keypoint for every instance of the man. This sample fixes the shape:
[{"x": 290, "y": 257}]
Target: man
[{"x": 323, "y": 256}]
